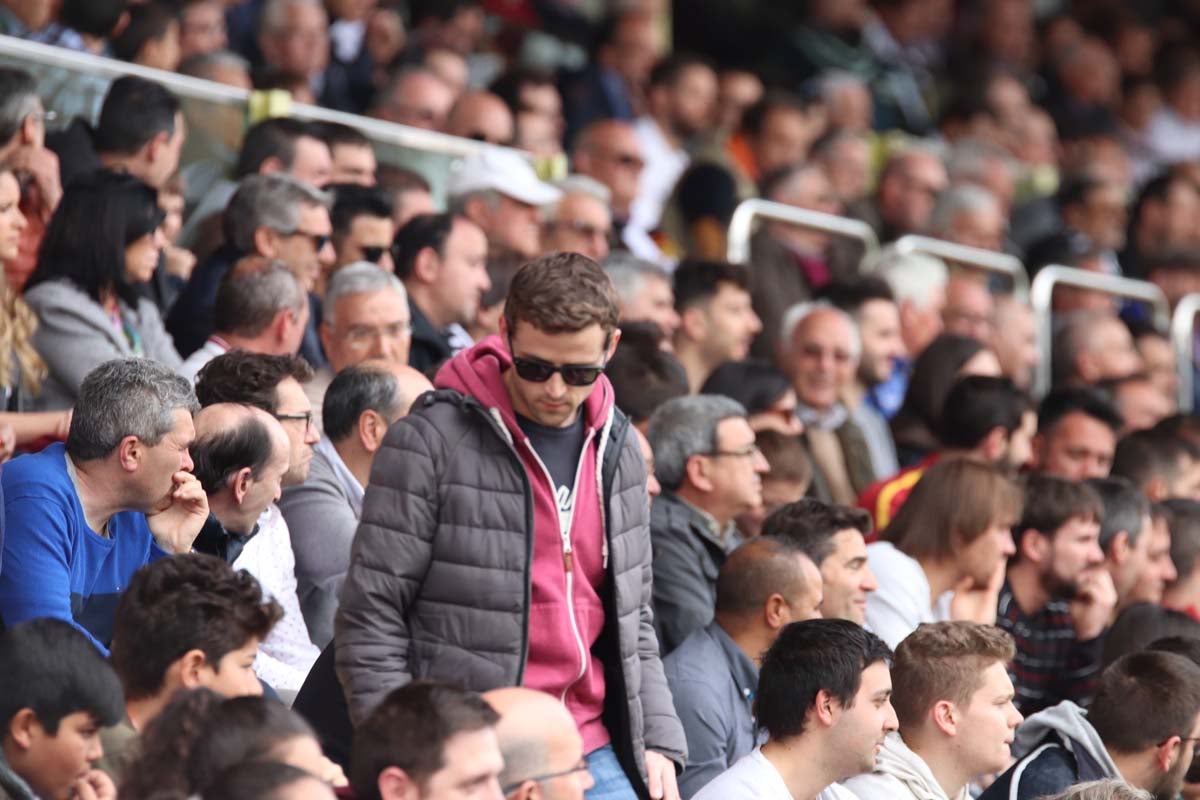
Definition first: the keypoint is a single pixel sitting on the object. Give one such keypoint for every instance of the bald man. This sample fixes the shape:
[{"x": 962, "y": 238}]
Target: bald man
[
  {"x": 482, "y": 116},
  {"x": 542, "y": 748},
  {"x": 764, "y": 585},
  {"x": 322, "y": 513}
]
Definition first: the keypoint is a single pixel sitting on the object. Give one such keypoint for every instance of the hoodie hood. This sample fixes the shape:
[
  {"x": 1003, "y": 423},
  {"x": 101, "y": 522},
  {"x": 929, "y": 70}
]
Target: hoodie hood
[
  {"x": 1069, "y": 722},
  {"x": 897, "y": 763},
  {"x": 478, "y": 372},
  {"x": 11, "y": 784}
]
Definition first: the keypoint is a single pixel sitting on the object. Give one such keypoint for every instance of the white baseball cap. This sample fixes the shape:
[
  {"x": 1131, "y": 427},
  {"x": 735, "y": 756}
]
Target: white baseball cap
[{"x": 503, "y": 171}]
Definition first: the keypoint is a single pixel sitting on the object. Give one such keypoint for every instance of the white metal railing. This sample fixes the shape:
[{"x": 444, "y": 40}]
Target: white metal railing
[
  {"x": 1183, "y": 341},
  {"x": 1041, "y": 294},
  {"x": 972, "y": 257},
  {"x": 741, "y": 226}
]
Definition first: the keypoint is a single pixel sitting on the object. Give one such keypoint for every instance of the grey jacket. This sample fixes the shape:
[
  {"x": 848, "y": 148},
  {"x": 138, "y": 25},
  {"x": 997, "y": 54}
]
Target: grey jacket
[
  {"x": 322, "y": 515},
  {"x": 688, "y": 554},
  {"x": 439, "y": 579},
  {"x": 74, "y": 336}
]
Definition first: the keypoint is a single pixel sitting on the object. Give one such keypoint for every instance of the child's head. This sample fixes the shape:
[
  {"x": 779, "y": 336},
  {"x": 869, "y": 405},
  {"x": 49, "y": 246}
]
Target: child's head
[{"x": 56, "y": 692}]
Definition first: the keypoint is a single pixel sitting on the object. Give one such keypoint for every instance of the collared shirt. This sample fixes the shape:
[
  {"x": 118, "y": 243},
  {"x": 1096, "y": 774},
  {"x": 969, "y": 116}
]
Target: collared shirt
[
  {"x": 213, "y": 347},
  {"x": 217, "y": 540},
  {"x": 829, "y": 419},
  {"x": 1051, "y": 664},
  {"x": 345, "y": 478},
  {"x": 713, "y": 683}
]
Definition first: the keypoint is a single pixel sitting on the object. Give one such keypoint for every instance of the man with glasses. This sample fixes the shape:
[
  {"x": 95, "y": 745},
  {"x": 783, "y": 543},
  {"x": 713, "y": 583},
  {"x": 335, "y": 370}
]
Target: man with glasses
[
  {"x": 542, "y": 749},
  {"x": 273, "y": 384},
  {"x": 580, "y": 221},
  {"x": 1142, "y": 728},
  {"x": 611, "y": 152},
  {"x": 711, "y": 471},
  {"x": 507, "y": 515},
  {"x": 362, "y": 226}
]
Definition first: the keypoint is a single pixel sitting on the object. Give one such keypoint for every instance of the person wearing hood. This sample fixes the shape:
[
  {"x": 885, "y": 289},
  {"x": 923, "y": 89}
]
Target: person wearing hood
[
  {"x": 1142, "y": 727},
  {"x": 504, "y": 537},
  {"x": 954, "y": 701}
]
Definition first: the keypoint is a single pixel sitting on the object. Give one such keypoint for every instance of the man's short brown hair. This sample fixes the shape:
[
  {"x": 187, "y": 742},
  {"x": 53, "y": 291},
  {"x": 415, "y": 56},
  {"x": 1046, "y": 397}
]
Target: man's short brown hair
[
  {"x": 562, "y": 293},
  {"x": 944, "y": 661}
]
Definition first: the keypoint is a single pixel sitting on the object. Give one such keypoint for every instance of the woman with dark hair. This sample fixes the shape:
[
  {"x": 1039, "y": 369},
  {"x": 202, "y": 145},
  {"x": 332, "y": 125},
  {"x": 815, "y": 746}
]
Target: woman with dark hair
[
  {"x": 22, "y": 370},
  {"x": 102, "y": 244},
  {"x": 946, "y": 359},
  {"x": 765, "y": 392},
  {"x": 267, "y": 780}
]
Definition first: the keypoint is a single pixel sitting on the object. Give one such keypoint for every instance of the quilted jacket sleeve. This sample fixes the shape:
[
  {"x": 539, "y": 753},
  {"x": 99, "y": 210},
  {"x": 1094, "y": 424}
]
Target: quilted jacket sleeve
[{"x": 390, "y": 556}]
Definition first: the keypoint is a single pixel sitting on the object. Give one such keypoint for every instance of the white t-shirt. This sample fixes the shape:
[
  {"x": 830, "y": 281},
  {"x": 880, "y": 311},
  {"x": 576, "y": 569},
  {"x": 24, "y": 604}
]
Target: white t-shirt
[
  {"x": 753, "y": 777},
  {"x": 901, "y": 602}
]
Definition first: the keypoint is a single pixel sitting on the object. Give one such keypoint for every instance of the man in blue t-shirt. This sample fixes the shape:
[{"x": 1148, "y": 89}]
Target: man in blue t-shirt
[{"x": 82, "y": 518}]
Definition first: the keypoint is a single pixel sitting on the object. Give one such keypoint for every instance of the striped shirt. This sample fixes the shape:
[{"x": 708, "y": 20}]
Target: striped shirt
[{"x": 1051, "y": 665}]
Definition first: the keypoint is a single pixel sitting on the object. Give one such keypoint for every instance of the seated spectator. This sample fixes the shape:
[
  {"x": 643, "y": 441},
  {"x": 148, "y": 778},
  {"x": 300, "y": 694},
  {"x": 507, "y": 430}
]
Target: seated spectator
[
  {"x": 1139, "y": 400},
  {"x": 870, "y": 303},
  {"x": 260, "y": 308},
  {"x": 643, "y": 375},
  {"x": 1077, "y": 434},
  {"x": 1092, "y": 346},
  {"x": 363, "y": 229},
  {"x": 219, "y": 66},
  {"x": 202, "y": 28},
  {"x": 352, "y": 154},
  {"x": 481, "y": 116},
  {"x": 408, "y": 192},
  {"x": 908, "y": 187},
  {"x": 970, "y": 308},
  {"x": 426, "y": 740},
  {"x": 273, "y": 216},
  {"x": 709, "y": 467},
  {"x": 442, "y": 259},
  {"x": 101, "y": 246},
  {"x": 1140, "y": 728},
  {"x": 1014, "y": 340},
  {"x": 500, "y": 192},
  {"x": 969, "y": 215},
  {"x": 1183, "y": 521},
  {"x": 283, "y": 145},
  {"x": 501, "y": 267},
  {"x": 322, "y": 513},
  {"x": 765, "y": 393},
  {"x": 82, "y": 517},
  {"x": 644, "y": 293},
  {"x": 954, "y": 702},
  {"x": 984, "y": 418},
  {"x": 824, "y": 700},
  {"x": 947, "y": 358},
  {"x": 274, "y": 385},
  {"x": 716, "y": 321},
  {"x": 540, "y": 745},
  {"x": 366, "y": 315},
  {"x": 918, "y": 283},
  {"x": 820, "y": 351},
  {"x": 1159, "y": 463},
  {"x": 787, "y": 479},
  {"x": 183, "y": 623},
  {"x": 23, "y": 151},
  {"x": 57, "y": 694},
  {"x": 267, "y": 780},
  {"x": 1158, "y": 358},
  {"x": 1137, "y": 553},
  {"x": 939, "y": 558},
  {"x": 1057, "y": 598},
  {"x": 834, "y": 538},
  {"x": 763, "y": 585},
  {"x": 580, "y": 220},
  {"x": 417, "y": 97},
  {"x": 149, "y": 38},
  {"x": 609, "y": 151},
  {"x": 1139, "y": 626}
]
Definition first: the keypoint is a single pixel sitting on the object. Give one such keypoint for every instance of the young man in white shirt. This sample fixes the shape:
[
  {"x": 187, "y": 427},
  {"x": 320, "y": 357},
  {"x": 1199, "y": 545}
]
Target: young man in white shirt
[
  {"x": 954, "y": 701},
  {"x": 824, "y": 699}
]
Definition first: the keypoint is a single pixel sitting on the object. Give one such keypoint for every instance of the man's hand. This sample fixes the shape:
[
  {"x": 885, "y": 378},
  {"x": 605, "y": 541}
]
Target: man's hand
[
  {"x": 94, "y": 786},
  {"x": 179, "y": 262},
  {"x": 1093, "y": 604},
  {"x": 660, "y": 772},
  {"x": 176, "y": 525},
  {"x": 977, "y": 603}
]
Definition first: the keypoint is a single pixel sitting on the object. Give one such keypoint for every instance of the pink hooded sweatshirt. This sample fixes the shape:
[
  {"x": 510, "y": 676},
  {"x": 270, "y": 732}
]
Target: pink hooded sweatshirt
[{"x": 570, "y": 552}]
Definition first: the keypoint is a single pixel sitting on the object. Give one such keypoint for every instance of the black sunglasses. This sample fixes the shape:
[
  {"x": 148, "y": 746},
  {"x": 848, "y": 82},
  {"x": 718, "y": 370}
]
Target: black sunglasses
[
  {"x": 535, "y": 370},
  {"x": 373, "y": 254},
  {"x": 319, "y": 240}
]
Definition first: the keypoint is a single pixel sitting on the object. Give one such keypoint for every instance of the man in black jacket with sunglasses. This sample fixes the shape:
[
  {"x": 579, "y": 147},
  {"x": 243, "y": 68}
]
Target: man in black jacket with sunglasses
[{"x": 505, "y": 536}]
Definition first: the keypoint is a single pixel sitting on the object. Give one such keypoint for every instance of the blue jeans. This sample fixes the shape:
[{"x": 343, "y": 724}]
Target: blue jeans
[{"x": 611, "y": 783}]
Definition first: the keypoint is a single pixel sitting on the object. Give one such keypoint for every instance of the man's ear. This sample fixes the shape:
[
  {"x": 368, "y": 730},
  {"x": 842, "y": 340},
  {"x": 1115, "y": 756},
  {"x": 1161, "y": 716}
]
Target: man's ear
[
  {"x": 1119, "y": 548},
  {"x": 695, "y": 471},
  {"x": 154, "y": 147},
  {"x": 22, "y": 728},
  {"x": 426, "y": 266},
  {"x": 825, "y": 708},
  {"x": 776, "y": 611},
  {"x": 1166, "y": 753},
  {"x": 529, "y": 790},
  {"x": 129, "y": 453},
  {"x": 394, "y": 784},
  {"x": 693, "y": 323},
  {"x": 239, "y": 484},
  {"x": 945, "y": 716},
  {"x": 266, "y": 242},
  {"x": 1034, "y": 546},
  {"x": 372, "y": 427},
  {"x": 185, "y": 671},
  {"x": 1156, "y": 488},
  {"x": 994, "y": 443}
]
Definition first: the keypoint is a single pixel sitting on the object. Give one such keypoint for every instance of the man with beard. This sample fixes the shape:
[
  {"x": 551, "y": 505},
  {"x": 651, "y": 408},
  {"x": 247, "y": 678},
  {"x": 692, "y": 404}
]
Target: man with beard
[
  {"x": 1142, "y": 728},
  {"x": 985, "y": 418},
  {"x": 1057, "y": 597}
]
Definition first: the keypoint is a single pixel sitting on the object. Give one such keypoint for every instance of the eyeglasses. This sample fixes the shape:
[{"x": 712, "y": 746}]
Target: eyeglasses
[
  {"x": 319, "y": 240},
  {"x": 373, "y": 254},
  {"x": 580, "y": 767},
  {"x": 537, "y": 371},
  {"x": 306, "y": 416},
  {"x": 45, "y": 116},
  {"x": 361, "y": 335},
  {"x": 749, "y": 452}
]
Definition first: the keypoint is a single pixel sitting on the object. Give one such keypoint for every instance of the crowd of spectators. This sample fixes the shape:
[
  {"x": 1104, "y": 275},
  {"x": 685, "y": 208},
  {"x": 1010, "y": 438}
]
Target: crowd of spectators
[{"x": 325, "y": 476}]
